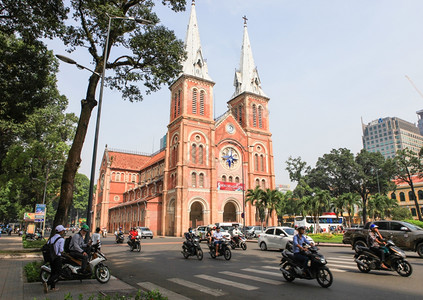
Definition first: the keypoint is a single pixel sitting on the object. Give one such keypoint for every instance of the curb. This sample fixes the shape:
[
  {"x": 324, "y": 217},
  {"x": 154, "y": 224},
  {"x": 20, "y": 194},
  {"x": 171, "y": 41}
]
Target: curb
[
  {"x": 20, "y": 255},
  {"x": 320, "y": 244}
]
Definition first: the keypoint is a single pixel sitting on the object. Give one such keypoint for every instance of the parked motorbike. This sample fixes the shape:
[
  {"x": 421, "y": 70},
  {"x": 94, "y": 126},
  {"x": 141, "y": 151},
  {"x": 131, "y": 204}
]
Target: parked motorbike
[
  {"x": 318, "y": 270},
  {"x": 223, "y": 250},
  {"x": 119, "y": 238},
  {"x": 192, "y": 248},
  {"x": 134, "y": 244},
  {"x": 71, "y": 268},
  {"x": 395, "y": 260},
  {"x": 240, "y": 243}
]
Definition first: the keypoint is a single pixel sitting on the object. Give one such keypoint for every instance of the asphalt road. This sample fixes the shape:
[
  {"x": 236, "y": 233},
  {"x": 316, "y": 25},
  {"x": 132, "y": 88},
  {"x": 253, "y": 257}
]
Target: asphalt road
[{"x": 251, "y": 274}]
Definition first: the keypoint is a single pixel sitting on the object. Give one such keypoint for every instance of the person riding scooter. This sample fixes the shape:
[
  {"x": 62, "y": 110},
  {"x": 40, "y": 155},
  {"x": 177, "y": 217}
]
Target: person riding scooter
[
  {"x": 235, "y": 234},
  {"x": 217, "y": 236},
  {"x": 79, "y": 249},
  {"x": 299, "y": 240},
  {"x": 376, "y": 243},
  {"x": 189, "y": 236},
  {"x": 133, "y": 236}
]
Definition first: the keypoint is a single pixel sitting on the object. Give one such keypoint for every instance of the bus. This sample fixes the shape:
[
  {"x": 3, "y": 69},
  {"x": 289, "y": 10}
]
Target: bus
[{"x": 326, "y": 221}]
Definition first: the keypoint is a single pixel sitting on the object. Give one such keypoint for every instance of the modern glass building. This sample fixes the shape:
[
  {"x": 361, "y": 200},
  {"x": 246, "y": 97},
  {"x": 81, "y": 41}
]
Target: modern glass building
[{"x": 388, "y": 135}]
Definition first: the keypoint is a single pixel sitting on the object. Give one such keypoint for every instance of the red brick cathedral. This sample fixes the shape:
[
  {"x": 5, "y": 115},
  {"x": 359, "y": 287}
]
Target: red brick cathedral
[{"x": 199, "y": 176}]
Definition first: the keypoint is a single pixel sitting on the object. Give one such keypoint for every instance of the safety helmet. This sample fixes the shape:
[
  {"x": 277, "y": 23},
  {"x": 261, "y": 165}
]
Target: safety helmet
[
  {"x": 300, "y": 227},
  {"x": 218, "y": 227},
  {"x": 373, "y": 226},
  {"x": 214, "y": 227},
  {"x": 85, "y": 227}
]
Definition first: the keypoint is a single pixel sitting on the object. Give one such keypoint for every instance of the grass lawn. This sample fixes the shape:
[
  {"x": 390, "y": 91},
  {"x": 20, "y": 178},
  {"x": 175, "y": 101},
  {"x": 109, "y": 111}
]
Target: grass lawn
[{"x": 327, "y": 238}]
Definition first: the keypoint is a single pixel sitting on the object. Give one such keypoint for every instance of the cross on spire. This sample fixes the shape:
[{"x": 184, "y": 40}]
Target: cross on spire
[{"x": 245, "y": 19}]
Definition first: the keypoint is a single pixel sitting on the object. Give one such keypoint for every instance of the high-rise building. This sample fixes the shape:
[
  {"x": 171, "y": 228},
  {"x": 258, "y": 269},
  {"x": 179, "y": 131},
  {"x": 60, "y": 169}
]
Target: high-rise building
[
  {"x": 207, "y": 163},
  {"x": 388, "y": 135},
  {"x": 420, "y": 121}
]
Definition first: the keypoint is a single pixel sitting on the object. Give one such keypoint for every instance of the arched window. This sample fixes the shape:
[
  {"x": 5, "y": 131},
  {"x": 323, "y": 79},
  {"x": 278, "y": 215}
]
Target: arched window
[
  {"x": 201, "y": 180},
  {"x": 420, "y": 195},
  {"x": 194, "y": 101},
  {"x": 230, "y": 179},
  {"x": 260, "y": 116},
  {"x": 393, "y": 196},
  {"x": 202, "y": 103},
  {"x": 179, "y": 103},
  {"x": 262, "y": 163},
  {"x": 194, "y": 179},
  {"x": 175, "y": 100},
  {"x": 117, "y": 178},
  {"x": 410, "y": 196},
  {"x": 200, "y": 154},
  {"x": 256, "y": 162},
  {"x": 133, "y": 179},
  {"x": 257, "y": 182},
  {"x": 194, "y": 154},
  {"x": 254, "y": 115},
  {"x": 402, "y": 196},
  {"x": 224, "y": 178},
  {"x": 237, "y": 179},
  {"x": 236, "y": 113},
  {"x": 263, "y": 184}
]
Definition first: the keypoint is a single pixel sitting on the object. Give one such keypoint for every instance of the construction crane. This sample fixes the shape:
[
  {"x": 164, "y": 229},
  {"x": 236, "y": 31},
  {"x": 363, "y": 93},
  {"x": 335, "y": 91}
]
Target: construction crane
[{"x": 412, "y": 83}]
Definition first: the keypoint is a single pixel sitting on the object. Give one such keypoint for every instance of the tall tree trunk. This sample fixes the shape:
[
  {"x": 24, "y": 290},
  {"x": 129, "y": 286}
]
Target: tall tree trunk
[
  {"x": 74, "y": 156},
  {"x": 416, "y": 202}
]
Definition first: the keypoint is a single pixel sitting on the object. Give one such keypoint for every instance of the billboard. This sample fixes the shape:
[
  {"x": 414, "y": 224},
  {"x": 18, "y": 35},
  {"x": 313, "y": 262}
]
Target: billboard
[
  {"x": 29, "y": 217},
  {"x": 229, "y": 186},
  {"x": 40, "y": 209}
]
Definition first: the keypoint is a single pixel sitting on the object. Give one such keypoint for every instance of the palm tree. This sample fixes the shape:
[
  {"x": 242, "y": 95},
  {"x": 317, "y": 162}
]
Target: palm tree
[
  {"x": 351, "y": 200},
  {"x": 338, "y": 206},
  {"x": 317, "y": 203},
  {"x": 254, "y": 196},
  {"x": 285, "y": 204},
  {"x": 269, "y": 199}
]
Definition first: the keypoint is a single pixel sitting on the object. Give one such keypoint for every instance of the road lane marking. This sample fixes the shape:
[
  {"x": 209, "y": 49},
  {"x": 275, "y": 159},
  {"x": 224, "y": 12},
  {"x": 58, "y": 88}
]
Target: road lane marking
[
  {"x": 263, "y": 272},
  {"x": 197, "y": 287},
  {"x": 255, "y": 278},
  {"x": 342, "y": 262},
  {"x": 338, "y": 270},
  {"x": 343, "y": 267},
  {"x": 342, "y": 258},
  {"x": 227, "y": 282},
  {"x": 271, "y": 267},
  {"x": 165, "y": 292}
]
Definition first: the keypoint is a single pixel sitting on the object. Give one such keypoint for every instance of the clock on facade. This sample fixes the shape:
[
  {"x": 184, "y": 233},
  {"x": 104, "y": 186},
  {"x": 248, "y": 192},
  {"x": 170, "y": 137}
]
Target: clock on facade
[
  {"x": 229, "y": 158},
  {"x": 230, "y": 128}
]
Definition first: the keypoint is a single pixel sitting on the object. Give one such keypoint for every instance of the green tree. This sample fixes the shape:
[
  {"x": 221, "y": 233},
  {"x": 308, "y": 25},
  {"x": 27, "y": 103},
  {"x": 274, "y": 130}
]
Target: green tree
[
  {"x": 297, "y": 168},
  {"x": 317, "y": 204},
  {"x": 80, "y": 196},
  {"x": 406, "y": 165},
  {"x": 254, "y": 196},
  {"x": 351, "y": 200},
  {"x": 153, "y": 56},
  {"x": 269, "y": 199},
  {"x": 284, "y": 205},
  {"x": 401, "y": 214}
]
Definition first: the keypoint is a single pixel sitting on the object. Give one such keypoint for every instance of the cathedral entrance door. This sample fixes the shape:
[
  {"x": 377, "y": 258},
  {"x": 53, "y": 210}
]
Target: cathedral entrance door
[
  {"x": 229, "y": 212},
  {"x": 196, "y": 214},
  {"x": 170, "y": 218}
]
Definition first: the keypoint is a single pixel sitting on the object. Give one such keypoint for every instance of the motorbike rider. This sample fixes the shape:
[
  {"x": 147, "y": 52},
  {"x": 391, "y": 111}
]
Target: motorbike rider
[
  {"x": 236, "y": 233},
  {"x": 189, "y": 236},
  {"x": 217, "y": 237},
  {"x": 298, "y": 249},
  {"x": 209, "y": 234},
  {"x": 79, "y": 249},
  {"x": 133, "y": 233},
  {"x": 96, "y": 238},
  {"x": 56, "y": 264},
  {"x": 376, "y": 243}
]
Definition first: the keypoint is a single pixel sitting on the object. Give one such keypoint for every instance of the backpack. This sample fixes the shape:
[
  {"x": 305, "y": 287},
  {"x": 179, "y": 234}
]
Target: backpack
[
  {"x": 67, "y": 244},
  {"x": 49, "y": 254}
]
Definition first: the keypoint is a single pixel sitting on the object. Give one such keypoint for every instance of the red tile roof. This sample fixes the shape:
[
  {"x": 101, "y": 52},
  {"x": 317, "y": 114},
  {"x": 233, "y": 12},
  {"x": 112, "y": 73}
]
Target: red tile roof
[
  {"x": 415, "y": 178},
  {"x": 127, "y": 161},
  {"x": 156, "y": 158}
]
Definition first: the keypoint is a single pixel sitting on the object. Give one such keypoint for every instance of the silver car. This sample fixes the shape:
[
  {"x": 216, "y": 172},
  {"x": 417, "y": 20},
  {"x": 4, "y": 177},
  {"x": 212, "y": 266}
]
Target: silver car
[
  {"x": 278, "y": 238},
  {"x": 146, "y": 232}
]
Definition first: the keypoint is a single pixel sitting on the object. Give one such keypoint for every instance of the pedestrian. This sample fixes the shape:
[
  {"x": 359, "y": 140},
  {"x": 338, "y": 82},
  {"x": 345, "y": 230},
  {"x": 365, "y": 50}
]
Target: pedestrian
[
  {"x": 96, "y": 237},
  {"x": 56, "y": 263}
]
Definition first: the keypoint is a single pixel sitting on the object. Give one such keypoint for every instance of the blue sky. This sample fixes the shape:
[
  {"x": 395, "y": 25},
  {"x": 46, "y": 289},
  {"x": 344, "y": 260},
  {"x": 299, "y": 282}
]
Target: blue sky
[{"x": 324, "y": 65}]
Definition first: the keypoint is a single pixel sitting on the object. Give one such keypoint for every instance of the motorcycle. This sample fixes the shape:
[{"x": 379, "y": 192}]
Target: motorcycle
[
  {"x": 119, "y": 238},
  {"x": 395, "y": 260},
  {"x": 318, "y": 270},
  {"x": 192, "y": 248},
  {"x": 71, "y": 268},
  {"x": 240, "y": 243},
  {"x": 134, "y": 244},
  {"x": 223, "y": 250}
]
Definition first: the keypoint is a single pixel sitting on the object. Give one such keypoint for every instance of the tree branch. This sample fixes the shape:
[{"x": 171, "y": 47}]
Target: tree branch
[{"x": 92, "y": 49}]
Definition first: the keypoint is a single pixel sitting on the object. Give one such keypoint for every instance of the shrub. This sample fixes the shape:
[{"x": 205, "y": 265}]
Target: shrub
[
  {"x": 32, "y": 271},
  {"x": 33, "y": 244},
  {"x": 415, "y": 222}
]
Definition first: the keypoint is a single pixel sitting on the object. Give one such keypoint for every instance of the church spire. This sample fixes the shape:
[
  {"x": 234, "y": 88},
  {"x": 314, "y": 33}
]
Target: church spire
[
  {"x": 247, "y": 78},
  {"x": 195, "y": 64}
]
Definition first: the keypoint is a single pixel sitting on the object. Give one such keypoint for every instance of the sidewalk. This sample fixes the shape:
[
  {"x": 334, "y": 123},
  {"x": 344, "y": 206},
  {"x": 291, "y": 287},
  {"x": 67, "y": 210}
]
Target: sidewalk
[{"x": 14, "y": 287}]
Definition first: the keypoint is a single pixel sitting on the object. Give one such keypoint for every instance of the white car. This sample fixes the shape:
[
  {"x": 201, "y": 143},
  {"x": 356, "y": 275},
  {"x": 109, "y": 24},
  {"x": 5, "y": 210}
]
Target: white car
[
  {"x": 278, "y": 238},
  {"x": 145, "y": 232}
]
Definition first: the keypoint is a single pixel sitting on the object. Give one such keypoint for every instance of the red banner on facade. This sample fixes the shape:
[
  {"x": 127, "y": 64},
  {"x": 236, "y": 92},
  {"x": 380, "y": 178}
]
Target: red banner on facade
[{"x": 229, "y": 186}]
